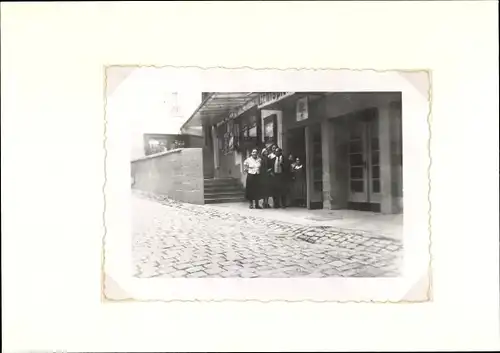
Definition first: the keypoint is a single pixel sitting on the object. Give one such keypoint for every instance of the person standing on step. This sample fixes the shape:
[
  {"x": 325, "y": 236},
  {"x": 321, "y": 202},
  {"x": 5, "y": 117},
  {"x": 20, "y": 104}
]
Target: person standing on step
[
  {"x": 265, "y": 178},
  {"x": 289, "y": 180},
  {"x": 251, "y": 167},
  {"x": 299, "y": 183},
  {"x": 272, "y": 154},
  {"x": 279, "y": 175}
]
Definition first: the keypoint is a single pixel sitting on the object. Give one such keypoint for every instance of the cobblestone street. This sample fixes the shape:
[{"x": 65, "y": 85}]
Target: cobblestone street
[{"x": 178, "y": 240}]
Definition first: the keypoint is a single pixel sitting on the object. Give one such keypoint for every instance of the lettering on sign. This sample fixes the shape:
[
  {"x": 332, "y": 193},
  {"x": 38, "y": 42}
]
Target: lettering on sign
[
  {"x": 272, "y": 97},
  {"x": 247, "y": 106}
]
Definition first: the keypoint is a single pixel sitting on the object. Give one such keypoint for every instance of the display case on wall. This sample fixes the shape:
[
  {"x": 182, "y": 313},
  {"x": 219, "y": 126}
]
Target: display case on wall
[
  {"x": 221, "y": 137},
  {"x": 250, "y": 135},
  {"x": 270, "y": 130},
  {"x": 230, "y": 137}
]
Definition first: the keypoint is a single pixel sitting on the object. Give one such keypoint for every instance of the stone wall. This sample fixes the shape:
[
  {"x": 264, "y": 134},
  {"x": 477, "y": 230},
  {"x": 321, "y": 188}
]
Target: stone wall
[{"x": 177, "y": 174}]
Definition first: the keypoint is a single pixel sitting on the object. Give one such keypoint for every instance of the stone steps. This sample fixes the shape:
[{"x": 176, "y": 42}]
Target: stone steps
[
  {"x": 223, "y": 190},
  {"x": 224, "y": 194},
  {"x": 224, "y": 200},
  {"x": 222, "y": 181}
]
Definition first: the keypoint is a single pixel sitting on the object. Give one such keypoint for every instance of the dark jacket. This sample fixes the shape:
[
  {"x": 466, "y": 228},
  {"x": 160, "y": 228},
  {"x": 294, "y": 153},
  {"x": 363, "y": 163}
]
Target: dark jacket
[
  {"x": 266, "y": 166},
  {"x": 285, "y": 166}
]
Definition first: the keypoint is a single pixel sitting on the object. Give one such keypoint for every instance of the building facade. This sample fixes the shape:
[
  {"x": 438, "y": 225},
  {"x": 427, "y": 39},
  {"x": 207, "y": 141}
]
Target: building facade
[{"x": 350, "y": 143}]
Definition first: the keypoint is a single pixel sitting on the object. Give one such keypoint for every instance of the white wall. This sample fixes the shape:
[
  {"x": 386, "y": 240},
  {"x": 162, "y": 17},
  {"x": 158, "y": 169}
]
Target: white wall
[{"x": 146, "y": 102}]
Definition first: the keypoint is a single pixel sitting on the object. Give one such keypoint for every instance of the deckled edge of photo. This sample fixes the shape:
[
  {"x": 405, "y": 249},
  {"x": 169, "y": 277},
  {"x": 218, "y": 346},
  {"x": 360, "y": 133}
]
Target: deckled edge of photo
[
  {"x": 110, "y": 289},
  {"x": 423, "y": 287},
  {"x": 420, "y": 292}
]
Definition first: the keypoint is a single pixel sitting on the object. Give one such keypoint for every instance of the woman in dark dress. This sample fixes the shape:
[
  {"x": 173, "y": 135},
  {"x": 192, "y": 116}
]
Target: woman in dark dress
[
  {"x": 289, "y": 180},
  {"x": 299, "y": 183},
  {"x": 279, "y": 175},
  {"x": 265, "y": 179},
  {"x": 251, "y": 167}
]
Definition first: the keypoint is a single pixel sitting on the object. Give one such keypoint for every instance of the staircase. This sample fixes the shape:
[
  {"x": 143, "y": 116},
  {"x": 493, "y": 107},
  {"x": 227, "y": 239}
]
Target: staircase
[{"x": 223, "y": 190}]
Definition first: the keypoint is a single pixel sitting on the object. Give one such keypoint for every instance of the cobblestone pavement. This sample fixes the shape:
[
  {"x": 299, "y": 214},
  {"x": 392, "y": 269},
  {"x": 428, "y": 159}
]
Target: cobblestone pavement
[{"x": 173, "y": 239}]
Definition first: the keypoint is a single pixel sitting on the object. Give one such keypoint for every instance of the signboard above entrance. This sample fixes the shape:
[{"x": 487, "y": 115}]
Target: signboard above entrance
[
  {"x": 268, "y": 98},
  {"x": 247, "y": 106}
]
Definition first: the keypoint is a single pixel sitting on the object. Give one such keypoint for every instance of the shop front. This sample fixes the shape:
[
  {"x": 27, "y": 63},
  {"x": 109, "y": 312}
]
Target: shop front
[
  {"x": 351, "y": 145},
  {"x": 230, "y": 129},
  {"x": 299, "y": 135},
  {"x": 237, "y": 137}
]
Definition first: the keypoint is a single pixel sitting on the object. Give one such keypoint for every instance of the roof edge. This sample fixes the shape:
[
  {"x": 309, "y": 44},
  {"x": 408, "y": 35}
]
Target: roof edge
[{"x": 183, "y": 126}]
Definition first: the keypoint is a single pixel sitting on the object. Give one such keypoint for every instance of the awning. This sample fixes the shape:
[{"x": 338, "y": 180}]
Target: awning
[{"x": 220, "y": 106}]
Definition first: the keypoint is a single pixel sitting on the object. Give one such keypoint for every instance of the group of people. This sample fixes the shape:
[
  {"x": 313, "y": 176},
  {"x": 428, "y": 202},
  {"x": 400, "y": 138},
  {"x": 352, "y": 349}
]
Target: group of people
[{"x": 271, "y": 175}]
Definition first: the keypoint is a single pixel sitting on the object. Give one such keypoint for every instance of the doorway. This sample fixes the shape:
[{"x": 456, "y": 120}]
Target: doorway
[
  {"x": 296, "y": 143},
  {"x": 364, "y": 159},
  {"x": 296, "y": 146}
]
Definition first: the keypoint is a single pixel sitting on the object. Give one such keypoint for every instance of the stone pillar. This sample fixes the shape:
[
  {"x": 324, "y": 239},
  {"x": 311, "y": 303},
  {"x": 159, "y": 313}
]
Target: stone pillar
[
  {"x": 328, "y": 159},
  {"x": 262, "y": 126},
  {"x": 279, "y": 123},
  {"x": 384, "y": 127},
  {"x": 396, "y": 151},
  {"x": 341, "y": 164},
  {"x": 309, "y": 164},
  {"x": 215, "y": 142},
  {"x": 282, "y": 131}
]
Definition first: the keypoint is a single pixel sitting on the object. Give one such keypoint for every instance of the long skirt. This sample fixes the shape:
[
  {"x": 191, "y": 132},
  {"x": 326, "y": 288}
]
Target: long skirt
[
  {"x": 278, "y": 185},
  {"x": 299, "y": 189},
  {"x": 252, "y": 187},
  {"x": 264, "y": 186}
]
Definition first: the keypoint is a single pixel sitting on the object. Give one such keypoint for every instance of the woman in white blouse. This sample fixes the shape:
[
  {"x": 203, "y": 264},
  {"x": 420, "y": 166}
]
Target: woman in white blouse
[{"x": 251, "y": 167}]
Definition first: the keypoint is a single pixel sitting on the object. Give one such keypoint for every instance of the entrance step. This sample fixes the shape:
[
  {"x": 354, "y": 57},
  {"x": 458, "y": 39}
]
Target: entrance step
[
  {"x": 224, "y": 194},
  {"x": 222, "y": 190},
  {"x": 222, "y": 181},
  {"x": 224, "y": 200}
]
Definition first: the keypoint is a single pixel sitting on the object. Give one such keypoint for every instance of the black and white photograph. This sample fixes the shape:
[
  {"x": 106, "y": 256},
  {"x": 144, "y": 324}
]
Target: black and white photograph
[
  {"x": 218, "y": 183},
  {"x": 270, "y": 184},
  {"x": 224, "y": 175}
]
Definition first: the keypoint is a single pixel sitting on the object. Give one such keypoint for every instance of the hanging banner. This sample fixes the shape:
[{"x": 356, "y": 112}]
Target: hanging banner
[{"x": 302, "y": 109}]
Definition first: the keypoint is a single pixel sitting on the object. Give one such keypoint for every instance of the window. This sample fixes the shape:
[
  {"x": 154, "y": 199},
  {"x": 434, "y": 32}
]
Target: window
[
  {"x": 270, "y": 129},
  {"x": 178, "y": 144},
  {"x": 249, "y": 132},
  {"x": 174, "y": 110},
  {"x": 228, "y": 137},
  {"x": 221, "y": 129},
  {"x": 252, "y": 132},
  {"x": 155, "y": 144},
  {"x": 236, "y": 137}
]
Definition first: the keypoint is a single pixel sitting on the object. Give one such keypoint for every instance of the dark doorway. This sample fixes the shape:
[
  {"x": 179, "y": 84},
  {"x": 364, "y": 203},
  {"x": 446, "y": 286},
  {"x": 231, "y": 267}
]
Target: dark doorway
[
  {"x": 296, "y": 143},
  {"x": 296, "y": 147}
]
